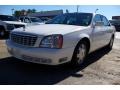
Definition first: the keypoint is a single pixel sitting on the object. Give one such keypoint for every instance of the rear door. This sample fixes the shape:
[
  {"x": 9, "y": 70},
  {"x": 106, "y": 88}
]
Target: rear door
[
  {"x": 107, "y": 30},
  {"x": 98, "y": 33}
]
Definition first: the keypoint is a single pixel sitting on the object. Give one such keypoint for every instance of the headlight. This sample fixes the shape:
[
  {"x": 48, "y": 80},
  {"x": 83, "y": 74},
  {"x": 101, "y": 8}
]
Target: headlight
[
  {"x": 52, "y": 41},
  {"x": 10, "y": 26}
]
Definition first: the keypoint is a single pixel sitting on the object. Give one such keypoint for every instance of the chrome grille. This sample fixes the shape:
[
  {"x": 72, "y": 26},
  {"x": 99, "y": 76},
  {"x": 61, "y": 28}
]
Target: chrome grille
[{"x": 23, "y": 39}]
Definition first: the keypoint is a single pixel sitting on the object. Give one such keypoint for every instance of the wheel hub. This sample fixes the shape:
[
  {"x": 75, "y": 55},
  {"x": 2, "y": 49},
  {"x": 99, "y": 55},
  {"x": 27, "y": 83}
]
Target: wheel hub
[{"x": 81, "y": 53}]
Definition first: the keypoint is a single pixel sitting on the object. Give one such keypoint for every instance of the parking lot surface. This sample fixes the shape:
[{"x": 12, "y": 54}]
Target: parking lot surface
[{"x": 101, "y": 67}]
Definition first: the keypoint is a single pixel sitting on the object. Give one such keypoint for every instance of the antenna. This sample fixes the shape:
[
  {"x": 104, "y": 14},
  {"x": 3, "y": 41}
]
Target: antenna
[{"x": 96, "y": 10}]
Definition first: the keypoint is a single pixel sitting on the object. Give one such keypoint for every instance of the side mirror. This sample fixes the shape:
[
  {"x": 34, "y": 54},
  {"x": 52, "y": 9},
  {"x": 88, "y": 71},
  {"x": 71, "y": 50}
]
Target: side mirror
[{"x": 99, "y": 23}]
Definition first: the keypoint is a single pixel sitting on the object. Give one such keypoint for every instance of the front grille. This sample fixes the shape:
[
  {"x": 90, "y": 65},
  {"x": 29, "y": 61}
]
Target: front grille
[{"x": 23, "y": 39}]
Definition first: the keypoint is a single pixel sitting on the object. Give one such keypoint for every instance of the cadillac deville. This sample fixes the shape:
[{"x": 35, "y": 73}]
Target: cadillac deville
[{"x": 68, "y": 37}]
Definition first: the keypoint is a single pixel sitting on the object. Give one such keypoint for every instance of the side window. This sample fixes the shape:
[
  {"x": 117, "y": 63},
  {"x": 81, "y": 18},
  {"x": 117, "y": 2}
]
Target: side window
[
  {"x": 97, "y": 18},
  {"x": 106, "y": 22}
]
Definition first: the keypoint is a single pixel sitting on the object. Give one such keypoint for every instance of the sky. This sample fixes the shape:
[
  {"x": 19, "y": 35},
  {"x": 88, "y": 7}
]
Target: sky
[{"x": 107, "y": 10}]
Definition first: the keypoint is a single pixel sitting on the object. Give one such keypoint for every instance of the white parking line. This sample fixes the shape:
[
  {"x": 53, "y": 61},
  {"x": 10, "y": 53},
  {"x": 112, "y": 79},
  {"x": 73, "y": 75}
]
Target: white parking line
[{"x": 117, "y": 35}]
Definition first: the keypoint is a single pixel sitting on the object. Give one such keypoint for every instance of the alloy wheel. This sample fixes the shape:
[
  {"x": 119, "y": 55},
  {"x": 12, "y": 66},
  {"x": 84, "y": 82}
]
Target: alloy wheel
[{"x": 81, "y": 53}]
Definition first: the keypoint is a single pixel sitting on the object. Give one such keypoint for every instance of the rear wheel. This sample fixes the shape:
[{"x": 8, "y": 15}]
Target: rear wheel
[{"x": 80, "y": 54}]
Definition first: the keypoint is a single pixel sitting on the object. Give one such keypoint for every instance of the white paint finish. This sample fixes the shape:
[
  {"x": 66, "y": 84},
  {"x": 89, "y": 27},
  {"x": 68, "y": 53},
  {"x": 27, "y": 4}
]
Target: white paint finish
[
  {"x": 47, "y": 29},
  {"x": 4, "y": 24},
  {"x": 14, "y": 22}
]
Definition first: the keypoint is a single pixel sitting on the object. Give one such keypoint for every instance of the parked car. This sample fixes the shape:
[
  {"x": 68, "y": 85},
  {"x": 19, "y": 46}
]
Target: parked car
[
  {"x": 8, "y": 23},
  {"x": 31, "y": 20},
  {"x": 66, "y": 38},
  {"x": 116, "y": 23}
]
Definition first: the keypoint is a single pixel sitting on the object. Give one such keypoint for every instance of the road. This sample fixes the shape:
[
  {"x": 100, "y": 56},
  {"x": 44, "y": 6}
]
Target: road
[{"x": 101, "y": 67}]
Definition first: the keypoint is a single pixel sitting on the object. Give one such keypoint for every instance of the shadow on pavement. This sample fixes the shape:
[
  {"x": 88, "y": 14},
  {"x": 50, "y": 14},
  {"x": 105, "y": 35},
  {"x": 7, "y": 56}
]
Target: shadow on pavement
[{"x": 17, "y": 72}]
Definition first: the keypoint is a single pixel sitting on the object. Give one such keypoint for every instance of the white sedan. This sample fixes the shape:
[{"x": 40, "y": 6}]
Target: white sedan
[{"x": 66, "y": 38}]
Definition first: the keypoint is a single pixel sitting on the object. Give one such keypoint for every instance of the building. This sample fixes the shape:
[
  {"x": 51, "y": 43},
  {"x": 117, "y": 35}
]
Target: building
[
  {"x": 115, "y": 17},
  {"x": 45, "y": 15}
]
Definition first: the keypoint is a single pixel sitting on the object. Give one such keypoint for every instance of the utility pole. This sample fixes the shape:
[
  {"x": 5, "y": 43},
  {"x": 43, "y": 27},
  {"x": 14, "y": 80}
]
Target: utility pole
[
  {"x": 77, "y": 8},
  {"x": 67, "y": 11},
  {"x": 12, "y": 11}
]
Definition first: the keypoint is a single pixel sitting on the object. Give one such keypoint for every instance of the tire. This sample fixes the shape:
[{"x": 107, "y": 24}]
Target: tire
[
  {"x": 79, "y": 54},
  {"x": 110, "y": 45}
]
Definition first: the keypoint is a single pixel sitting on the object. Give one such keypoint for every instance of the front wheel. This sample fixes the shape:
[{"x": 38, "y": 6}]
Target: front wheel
[{"x": 80, "y": 54}]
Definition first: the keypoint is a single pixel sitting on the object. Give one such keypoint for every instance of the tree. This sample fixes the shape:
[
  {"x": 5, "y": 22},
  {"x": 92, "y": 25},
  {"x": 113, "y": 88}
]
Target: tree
[
  {"x": 33, "y": 10},
  {"x": 23, "y": 12},
  {"x": 29, "y": 11},
  {"x": 17, "y": 13}
]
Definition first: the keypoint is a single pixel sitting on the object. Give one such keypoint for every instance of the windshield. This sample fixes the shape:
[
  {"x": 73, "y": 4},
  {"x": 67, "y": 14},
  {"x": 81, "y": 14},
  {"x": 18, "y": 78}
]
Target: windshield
[
  {"x": 81, "y": 19},
  {"x": 7, "y": 18},
  {"x": 36, "y": 20}
]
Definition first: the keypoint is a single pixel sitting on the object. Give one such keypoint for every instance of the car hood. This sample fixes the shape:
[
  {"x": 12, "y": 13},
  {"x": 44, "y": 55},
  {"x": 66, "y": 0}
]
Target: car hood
[
  {"x": 47, "y": 29},
  {"x": 14, "y": 22}
]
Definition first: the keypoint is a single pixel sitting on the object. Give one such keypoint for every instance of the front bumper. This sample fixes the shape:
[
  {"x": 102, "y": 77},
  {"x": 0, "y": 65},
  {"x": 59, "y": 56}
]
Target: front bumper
[{"x": 39, "y": 55}]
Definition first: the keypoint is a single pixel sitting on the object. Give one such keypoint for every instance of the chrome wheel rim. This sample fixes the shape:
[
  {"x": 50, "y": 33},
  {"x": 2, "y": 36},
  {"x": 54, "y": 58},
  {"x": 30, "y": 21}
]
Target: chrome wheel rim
[{"x": 81, "y": 53}]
